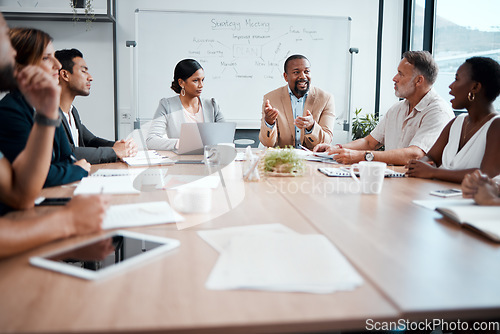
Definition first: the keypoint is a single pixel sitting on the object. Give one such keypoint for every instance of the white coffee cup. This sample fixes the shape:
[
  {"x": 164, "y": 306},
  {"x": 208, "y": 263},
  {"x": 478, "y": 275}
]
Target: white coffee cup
[
  {"x": 193, "y": 200},
  {"x": 371, "y": 174}
]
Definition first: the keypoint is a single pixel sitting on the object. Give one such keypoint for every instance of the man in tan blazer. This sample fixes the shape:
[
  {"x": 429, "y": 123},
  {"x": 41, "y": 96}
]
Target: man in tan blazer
[{"x": 297, "y": 114}]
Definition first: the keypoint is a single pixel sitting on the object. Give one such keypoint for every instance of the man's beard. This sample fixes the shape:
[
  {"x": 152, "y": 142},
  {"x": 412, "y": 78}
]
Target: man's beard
[
  {"x": 301, "y": 92},
  {"x": 7, "y": 80},
  {"x": 406, "y": 90}
]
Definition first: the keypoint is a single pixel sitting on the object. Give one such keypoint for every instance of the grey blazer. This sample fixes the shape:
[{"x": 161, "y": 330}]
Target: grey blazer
[{"x": 166, "y": 125}]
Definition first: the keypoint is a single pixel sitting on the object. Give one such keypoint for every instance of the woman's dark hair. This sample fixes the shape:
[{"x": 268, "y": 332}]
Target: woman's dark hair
[
  {"x": 29, "y": 44},
  {"x": 183, "y": 70},
  {"x": 487, "y": 72}
]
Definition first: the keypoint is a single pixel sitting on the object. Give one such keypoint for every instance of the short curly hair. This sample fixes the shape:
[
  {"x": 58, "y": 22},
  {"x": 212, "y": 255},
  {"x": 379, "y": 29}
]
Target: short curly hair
[
  {"x": 487, "y": 72},
  {"x": 292, "y": 57}
]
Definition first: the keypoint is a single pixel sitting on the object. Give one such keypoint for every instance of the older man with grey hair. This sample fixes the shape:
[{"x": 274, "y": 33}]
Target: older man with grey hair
[{"x": 411, "y": 126}]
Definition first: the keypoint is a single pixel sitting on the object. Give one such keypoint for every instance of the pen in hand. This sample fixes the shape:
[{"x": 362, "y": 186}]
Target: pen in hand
[{"x": 305, "y": 148}]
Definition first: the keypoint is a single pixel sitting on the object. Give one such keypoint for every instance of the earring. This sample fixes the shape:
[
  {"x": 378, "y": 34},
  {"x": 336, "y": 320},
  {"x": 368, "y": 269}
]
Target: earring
[
  {"x": 471, "y": 96},
  {"x": 183, "y": 92}
]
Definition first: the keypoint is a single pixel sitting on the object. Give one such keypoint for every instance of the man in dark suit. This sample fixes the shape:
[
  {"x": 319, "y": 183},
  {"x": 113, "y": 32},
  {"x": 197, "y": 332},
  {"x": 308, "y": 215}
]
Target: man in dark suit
[{"x": 75, "y": 80}]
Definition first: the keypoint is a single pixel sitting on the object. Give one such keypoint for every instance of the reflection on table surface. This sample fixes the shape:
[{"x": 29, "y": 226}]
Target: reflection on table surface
[{"x": 414, "y": 264}]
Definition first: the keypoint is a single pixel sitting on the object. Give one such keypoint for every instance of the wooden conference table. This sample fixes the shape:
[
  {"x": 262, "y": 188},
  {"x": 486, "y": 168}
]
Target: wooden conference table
[{"x": 415, "y": 265}]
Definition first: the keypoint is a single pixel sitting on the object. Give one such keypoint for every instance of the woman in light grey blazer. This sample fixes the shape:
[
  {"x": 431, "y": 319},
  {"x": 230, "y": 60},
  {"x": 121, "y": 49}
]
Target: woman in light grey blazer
[{"x": 188, "y": 106}]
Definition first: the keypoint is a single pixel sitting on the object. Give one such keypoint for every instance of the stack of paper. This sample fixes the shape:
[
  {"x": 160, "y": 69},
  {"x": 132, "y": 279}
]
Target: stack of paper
[
  {"x": 274, "y": 258},
  {"x": 148, "y": 158},
  {"x": 309, "y": 155},
  {"x": 140, "y": 214},
  {"x": 121, "y": 181},
  {"x": 106, "y": 185}
]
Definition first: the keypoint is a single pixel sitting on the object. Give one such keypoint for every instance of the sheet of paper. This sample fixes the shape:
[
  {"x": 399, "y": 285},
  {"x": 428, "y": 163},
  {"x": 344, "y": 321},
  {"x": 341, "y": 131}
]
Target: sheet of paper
[
  {"x": 148, "y": 158},
  {"x": 138, "y": 176},
  {"x": 117, "y": 172},
  {"x": 106, "y": 185},
  {"x": 432, "y": 204},
  {"x": 220, "y": 238},
  {"x": 283, "y": 262},
  {"x": 240, "y": 156},
  {"x": 491, "y": 226},
  {"x": 320, "y": 159},
  {"x": 140, "y": 214},
  {"x": 318, "y": 156}
]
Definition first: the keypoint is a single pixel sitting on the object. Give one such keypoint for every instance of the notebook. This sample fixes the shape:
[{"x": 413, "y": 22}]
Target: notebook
[
  {"x": 481, "y": 219},
  {"x": 345, "y": 172},
  {"x": 194, "y": 136}
]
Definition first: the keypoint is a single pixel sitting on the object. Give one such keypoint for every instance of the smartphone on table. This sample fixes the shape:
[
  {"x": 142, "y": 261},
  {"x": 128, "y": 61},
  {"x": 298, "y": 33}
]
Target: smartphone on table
[
  {"x": 447, "y": 192},
  {"x": 52, "y": 201}
]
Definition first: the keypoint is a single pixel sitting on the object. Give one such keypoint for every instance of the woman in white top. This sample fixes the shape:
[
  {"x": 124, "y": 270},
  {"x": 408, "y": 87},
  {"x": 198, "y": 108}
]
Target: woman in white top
[
  {"x": 187, "y": 107},
  {"x": 471, "y": 141}
]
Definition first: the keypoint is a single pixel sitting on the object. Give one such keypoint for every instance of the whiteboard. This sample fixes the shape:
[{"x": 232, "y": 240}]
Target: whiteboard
[{"x": 242, "y": 54}]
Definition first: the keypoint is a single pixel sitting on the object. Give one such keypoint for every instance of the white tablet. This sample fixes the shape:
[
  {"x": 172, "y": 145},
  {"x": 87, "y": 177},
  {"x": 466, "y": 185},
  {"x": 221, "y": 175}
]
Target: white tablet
[{"x": 104, "y": 255}]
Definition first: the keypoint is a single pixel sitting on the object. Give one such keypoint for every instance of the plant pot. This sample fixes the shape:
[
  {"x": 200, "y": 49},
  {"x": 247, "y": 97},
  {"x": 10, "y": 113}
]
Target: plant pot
[{"x": 78, "y": 3}]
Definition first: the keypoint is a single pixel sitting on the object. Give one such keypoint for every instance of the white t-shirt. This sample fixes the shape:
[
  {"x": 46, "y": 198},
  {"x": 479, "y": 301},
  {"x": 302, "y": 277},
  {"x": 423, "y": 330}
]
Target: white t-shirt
[
  {"x": 194, "y": 118},
  {"x": 72, "y": 126}
]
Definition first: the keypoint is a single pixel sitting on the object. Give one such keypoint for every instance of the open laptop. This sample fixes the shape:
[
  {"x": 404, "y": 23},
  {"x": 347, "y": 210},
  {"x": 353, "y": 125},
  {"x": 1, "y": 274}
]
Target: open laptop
[{"x": 194, "y": 136}]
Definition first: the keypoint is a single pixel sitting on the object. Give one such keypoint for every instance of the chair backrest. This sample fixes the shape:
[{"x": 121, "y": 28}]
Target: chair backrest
[{"x": 247, "y": 137}]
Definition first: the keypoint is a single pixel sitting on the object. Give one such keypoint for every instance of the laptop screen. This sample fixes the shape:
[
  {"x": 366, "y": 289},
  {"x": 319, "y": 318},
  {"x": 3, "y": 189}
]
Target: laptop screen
[{"x": 194, "y": 136}]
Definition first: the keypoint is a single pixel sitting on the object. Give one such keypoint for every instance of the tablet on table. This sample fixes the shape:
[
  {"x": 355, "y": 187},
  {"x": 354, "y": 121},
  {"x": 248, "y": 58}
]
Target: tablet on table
[{"x": 104, "y": 255}]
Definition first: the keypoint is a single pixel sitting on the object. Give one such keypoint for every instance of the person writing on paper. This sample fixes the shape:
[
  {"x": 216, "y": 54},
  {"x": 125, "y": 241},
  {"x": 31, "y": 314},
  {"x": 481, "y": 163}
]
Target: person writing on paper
[
  {"x": 472, "y": 140},
  {"x": 411, "y": 126},
  {"x": 75, "y": 80},
  {"x": 298, "y": 113},
  {"x": 484, "y": 190},
  {"x": 21, "y": 181},
  {"x": 187, "y": 107},
  {"x": 34, "y": 47}
]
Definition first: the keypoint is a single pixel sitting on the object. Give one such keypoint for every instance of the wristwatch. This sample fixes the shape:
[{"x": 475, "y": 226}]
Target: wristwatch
[
  {"x": 369, "y": 156},
  {"x": 44, "y": 120}
]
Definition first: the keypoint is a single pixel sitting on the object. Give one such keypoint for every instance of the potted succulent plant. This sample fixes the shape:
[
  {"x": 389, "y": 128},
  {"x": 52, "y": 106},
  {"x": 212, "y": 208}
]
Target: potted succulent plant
[{"x": 283, "y": 162}]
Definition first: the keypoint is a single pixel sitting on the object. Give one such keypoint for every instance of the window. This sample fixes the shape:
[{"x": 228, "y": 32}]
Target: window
[
  {"x": 464, "y": 29},
  {"x": 417, "y": 25}
]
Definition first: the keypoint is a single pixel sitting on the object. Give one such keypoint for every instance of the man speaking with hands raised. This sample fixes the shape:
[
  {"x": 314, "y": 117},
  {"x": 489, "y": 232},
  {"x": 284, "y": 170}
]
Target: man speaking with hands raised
[{"x": 298, "y": 113}]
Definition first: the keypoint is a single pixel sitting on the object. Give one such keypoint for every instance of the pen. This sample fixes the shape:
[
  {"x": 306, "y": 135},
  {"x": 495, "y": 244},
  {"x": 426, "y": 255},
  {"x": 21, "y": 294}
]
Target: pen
[
  {"x": 305, "y": 148},
  {"x": 72, "y": 157},
  {"x": 189, "y": 162}
]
